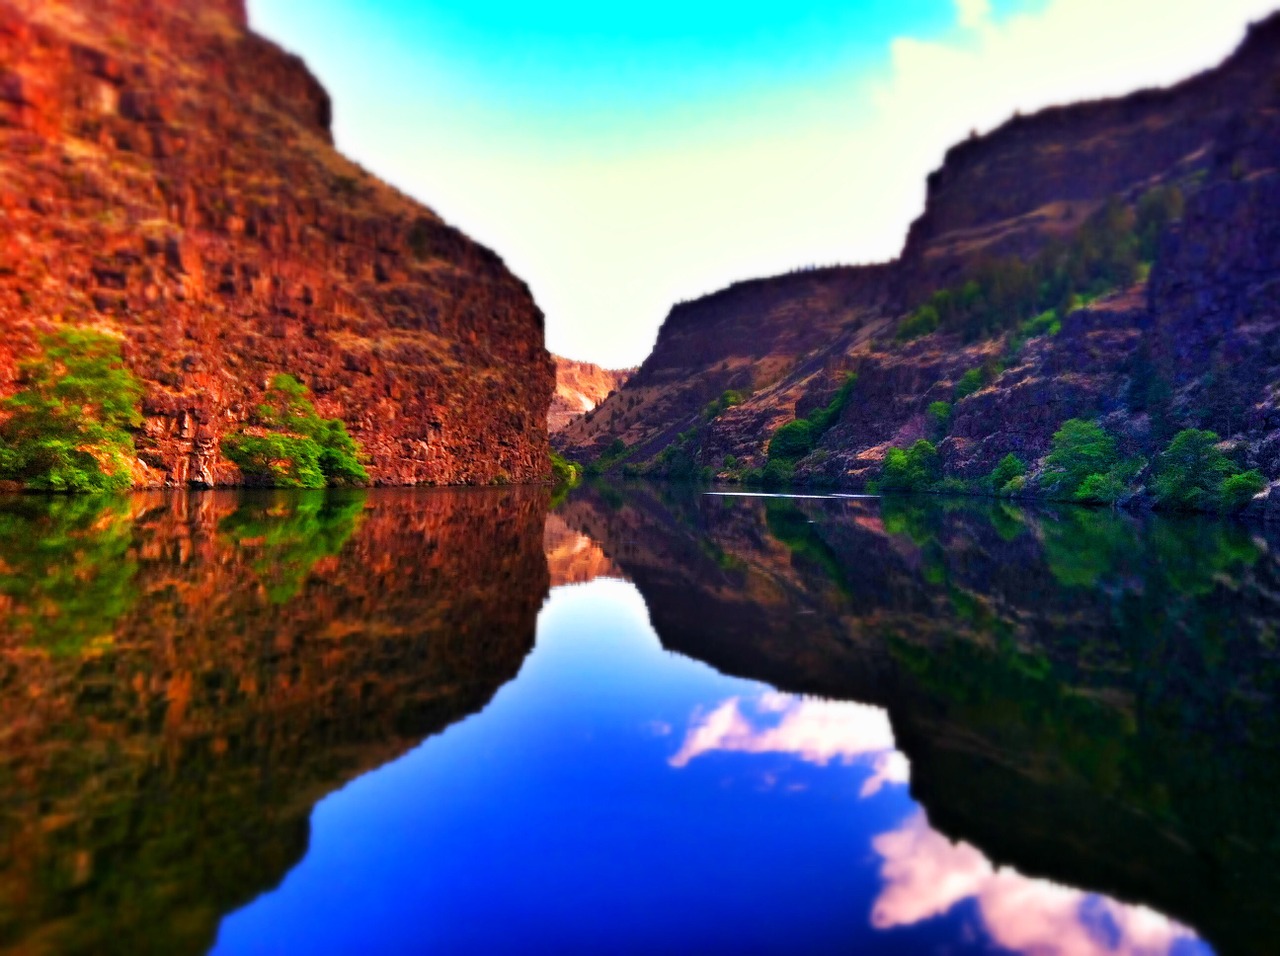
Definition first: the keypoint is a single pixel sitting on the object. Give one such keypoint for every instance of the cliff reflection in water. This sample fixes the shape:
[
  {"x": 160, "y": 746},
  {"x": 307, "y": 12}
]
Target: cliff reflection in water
[
  {"x": 1085, "y": 696},
  {"x": 182, "y": 678}
]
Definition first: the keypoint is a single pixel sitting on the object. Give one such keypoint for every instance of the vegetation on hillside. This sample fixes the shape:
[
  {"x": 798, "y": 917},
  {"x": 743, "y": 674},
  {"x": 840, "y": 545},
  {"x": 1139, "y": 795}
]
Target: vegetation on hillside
[
  {"x": 1113, "y": 249},
  {"x": 293, "y": 447},
  {"x": 797, "y": 439},
  {"x": 69, "y": 426},
  {"x": 1086, "y": 465}
]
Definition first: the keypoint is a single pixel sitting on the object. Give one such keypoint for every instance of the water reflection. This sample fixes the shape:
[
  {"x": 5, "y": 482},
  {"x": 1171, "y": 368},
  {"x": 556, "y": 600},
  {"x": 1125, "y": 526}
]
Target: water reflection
[
  {"x": 1085, "y": 696},
  {"x": 183, "y": 677},
  {"x": 923, "y": 721},
  {"x": 815, "y": 731},
  {"x": 926, "y": 875}
]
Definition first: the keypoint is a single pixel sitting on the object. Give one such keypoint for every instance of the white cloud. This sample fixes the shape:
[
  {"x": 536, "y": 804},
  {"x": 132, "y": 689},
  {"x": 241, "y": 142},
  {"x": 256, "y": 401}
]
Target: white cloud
[{"x": 926, "y": 875}]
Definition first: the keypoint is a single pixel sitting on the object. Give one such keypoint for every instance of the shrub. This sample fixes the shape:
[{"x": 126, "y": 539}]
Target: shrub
[
  {"x": 920, "y": 322},
  {"x": 1080, "y": 449},
  {"x": 792, "y": 441},
  {"x": 68, "y": 426},
  {"x": 300, "y": 449},
  {"x": 1238, "y": 490},
  {"x": 970, "y": 382},
  {"x": 1103, "y": 489},
  {"x": 939, "y": 416},
  {"x": 1194, "y": 475},
  {"x": 729, "y": 399},
  {"x": 915, "y": 469},
  {"x": 1009, "y": 468},
  {"x": 563, "y": 471},
  {"x": 778, "y": 473}
]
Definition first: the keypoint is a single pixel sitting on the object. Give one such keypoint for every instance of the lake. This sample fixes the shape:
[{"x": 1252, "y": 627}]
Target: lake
[{"x": 634, "y": 719}]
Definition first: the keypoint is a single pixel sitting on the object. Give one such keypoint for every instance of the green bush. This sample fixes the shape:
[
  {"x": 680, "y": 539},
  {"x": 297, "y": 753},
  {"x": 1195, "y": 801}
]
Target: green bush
[
  {"x": 563, "y": 471},
  {"x": 1008, "y": 468},
  {"x": 778, "y": 473},
  {"x": 300, "y": 449},
  {"x": 1238, "y": 490},
  {"x": 915, "y": 469},
  {"x": 729, "y": 399},
  {"x": 1194, "y": 475},
  {"x": 792, "y": 441},
  {"x": 920, "y": 322},
  {"x": 1104, "y": 489},
  {"x": 68, "y": 426},
  {"x": 1081, "y": 449},
  {"x": 796, "y": 439},
  {"x": 939, "y": 416},
  {"x": 970, "y": 382}
]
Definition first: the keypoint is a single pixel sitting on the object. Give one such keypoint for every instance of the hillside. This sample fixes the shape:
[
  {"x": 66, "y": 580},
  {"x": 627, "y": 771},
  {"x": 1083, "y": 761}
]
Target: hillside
[
  {"x": 1115, "y": 261},
  {"x": 580, "y": 387},
  {"x": 169, "y": 177}
]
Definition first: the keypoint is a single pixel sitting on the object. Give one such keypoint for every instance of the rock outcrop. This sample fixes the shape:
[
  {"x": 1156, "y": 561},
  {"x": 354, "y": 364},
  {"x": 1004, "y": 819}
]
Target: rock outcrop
[
  {"x": 580, "y": 387},
  {"x": 169, "y": 176},
  {"x": 1204, "y": 327}
]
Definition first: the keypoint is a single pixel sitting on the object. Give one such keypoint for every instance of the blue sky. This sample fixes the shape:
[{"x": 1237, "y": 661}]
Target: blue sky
[{"x": 623, "y": 156}]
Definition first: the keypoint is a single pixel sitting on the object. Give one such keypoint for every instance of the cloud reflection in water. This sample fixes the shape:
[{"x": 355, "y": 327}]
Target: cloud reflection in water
[
  {"x": 815, "y": 731},
  {"x": 926, "y": 875}
]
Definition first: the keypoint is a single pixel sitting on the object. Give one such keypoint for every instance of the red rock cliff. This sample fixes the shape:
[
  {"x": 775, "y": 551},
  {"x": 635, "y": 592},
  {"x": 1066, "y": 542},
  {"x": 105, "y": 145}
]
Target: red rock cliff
[{"x": 169, "y": 176}]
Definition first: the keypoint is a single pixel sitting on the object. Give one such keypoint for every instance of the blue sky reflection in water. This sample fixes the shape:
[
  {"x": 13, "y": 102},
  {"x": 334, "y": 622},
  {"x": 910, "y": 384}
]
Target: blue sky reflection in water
[{"x": 619, "y": 798}]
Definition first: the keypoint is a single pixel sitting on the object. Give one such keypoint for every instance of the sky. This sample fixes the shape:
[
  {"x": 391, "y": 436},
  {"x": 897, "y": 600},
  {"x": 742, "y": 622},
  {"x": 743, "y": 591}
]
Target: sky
[{"x": 625, "y": 156}]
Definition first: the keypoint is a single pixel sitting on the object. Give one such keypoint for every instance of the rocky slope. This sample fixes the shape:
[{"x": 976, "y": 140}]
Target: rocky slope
[
  {"x": 169, "y": 176},
  {"x": 1205, "y": 324},
  {"x": 580, "y": 387}
]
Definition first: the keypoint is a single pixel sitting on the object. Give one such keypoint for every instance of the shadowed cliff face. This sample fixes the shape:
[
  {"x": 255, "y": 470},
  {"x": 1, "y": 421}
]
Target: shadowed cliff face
[
  {"x": 168, "y": 175},
  {"x": 1086, "y": 697},
  {"x": 183, "y": 678},
  {"x": 1203, "y": 329}
]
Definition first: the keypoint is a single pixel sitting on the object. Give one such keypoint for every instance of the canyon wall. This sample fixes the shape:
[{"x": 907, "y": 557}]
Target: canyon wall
[
  {"x": 1203, "y": 325},
  {"x": 580, "y": 387},
  {"x": 168, "y": 176}
]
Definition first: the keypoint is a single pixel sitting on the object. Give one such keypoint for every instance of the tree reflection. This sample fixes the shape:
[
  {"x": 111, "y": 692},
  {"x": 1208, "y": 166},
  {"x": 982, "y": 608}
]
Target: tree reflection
[
  {"x": 67, "y": 569},
  {"x": 287, "y": 534}
]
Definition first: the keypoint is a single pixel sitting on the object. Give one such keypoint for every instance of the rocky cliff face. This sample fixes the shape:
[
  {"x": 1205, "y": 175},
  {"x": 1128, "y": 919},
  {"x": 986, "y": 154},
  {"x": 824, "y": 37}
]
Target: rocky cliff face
[
  {"x": 580, "y": 387},
  {"x": 169, "y": 176},
  {"x": 1205, "y": 325}
]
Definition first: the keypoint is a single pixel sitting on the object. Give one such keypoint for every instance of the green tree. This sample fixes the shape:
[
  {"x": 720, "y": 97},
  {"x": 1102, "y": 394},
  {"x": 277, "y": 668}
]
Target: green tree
[
  {"x": 917, "y": 468},
  {"x": 1193, "y": 474},
  {"x": 1081, "y": 449},
  {"x": 1009, "y": 468},
  {"x": 68, "y": 426},
  {"x": 299, "y": 449},
  {"x": 939, "y": 416}
]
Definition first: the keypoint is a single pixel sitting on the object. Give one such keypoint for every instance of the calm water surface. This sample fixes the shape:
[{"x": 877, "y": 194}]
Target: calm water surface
[{"x": 637, "y": 720}]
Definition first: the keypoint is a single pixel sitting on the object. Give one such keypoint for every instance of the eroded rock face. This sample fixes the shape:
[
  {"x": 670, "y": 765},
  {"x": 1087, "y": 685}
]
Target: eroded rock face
[
  {"x": 167, "y": 175},
  {"x": 1205, "y": 328},
  {"x": 580, "y": 387}
]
